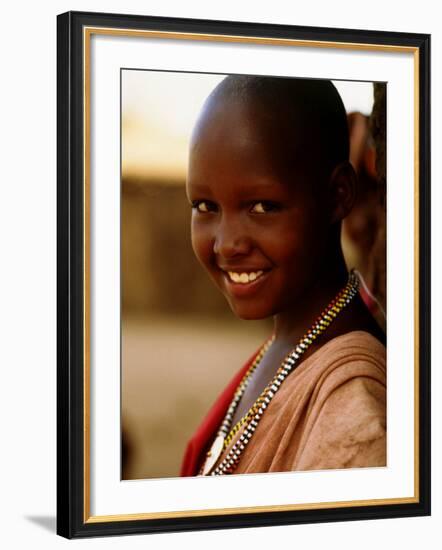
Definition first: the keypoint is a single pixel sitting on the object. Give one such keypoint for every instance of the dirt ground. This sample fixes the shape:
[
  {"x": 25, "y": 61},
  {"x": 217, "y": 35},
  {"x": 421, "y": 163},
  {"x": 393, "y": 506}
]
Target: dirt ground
[{"x": 172, "y": 371}]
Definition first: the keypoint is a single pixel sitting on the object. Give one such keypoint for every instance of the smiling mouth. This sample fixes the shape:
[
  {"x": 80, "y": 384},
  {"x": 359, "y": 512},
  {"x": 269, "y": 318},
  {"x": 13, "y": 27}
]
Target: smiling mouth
[
  {"x": 244, "y": 283},
  {"x": 243, "y": 277}
]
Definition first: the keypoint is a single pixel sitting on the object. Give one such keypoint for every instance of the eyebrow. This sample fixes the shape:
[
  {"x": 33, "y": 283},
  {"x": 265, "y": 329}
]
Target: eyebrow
[
  {"x": 249, "y": 190},
  {"x": 199, "y": 187},
  {"x": 262, "y": 187}
]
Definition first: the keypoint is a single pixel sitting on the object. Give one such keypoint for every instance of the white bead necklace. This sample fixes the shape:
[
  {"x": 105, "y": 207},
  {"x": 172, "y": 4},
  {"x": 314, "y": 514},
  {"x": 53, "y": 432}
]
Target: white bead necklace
[{"x": 253, "y": 416}]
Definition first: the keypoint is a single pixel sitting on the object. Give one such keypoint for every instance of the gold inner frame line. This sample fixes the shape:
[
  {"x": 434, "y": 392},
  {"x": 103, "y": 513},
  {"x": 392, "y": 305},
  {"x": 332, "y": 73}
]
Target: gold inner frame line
[
  {"x": 87, "y": 33},
  {"x": 206, "y": 37}
]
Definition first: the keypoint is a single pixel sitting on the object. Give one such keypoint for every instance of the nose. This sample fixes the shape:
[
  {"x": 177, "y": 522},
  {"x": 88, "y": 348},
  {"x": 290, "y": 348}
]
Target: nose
[{"x": 231, "y": 238}]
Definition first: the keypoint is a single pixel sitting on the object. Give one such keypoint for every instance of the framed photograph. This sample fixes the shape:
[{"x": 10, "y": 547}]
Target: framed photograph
[{"x": 243, "y": 217}]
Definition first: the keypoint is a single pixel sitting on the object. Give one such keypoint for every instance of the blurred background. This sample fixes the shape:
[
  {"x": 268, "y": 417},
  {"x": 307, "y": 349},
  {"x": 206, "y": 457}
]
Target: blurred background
[{"x": 181, "y": 343}]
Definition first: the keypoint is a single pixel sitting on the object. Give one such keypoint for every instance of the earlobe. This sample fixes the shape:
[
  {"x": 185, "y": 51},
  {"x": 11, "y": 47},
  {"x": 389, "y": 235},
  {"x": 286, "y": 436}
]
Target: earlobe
[{"x": 343, "y": 188}]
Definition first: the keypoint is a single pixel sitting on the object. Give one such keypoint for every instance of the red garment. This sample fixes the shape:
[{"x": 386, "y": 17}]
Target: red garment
[
  {"x": 201, "y": 440},
  {"x": 368, "y": 300}
]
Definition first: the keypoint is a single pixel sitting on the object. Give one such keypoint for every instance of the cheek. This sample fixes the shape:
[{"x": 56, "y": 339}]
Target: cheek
[
  {"x": 297, "y": 245},
  {"x": 287, "y": 244},
  {"x": 202, "y": 244}
]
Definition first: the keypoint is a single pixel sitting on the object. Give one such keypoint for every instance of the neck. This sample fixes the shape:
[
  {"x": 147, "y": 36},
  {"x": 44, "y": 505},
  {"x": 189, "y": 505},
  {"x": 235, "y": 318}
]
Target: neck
[{"x": 291, "y": 324}]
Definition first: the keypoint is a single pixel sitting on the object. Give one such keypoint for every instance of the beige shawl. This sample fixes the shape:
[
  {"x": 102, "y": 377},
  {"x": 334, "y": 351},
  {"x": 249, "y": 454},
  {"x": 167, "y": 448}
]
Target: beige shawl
[{"x": 329, "y": 413}]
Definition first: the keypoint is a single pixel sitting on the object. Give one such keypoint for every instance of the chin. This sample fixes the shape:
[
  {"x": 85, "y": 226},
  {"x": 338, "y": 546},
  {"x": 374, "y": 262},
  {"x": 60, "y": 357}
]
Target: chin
[{"x": 250, "y": 313}]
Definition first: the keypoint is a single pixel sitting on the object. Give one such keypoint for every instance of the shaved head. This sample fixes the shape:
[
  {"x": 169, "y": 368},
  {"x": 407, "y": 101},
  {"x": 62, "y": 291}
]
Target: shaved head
[{"x": 303, "y": 119}]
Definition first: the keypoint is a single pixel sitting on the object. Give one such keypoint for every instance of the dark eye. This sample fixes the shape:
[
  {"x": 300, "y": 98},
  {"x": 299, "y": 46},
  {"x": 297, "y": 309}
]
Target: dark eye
[
  {"x": 263, "y": 207},
  {"x": 204, "y": 206}
]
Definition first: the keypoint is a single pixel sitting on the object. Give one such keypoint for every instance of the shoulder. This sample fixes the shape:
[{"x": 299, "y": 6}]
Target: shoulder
[
  {"x": 349, "y": 429},
  {"x": 350, "y": 383},
  {"x": 346, "y": 421},
  {"x": 355, "y": 345},
  {"x": 353, "y": 355},
  {"x": 344, "y": 358}
]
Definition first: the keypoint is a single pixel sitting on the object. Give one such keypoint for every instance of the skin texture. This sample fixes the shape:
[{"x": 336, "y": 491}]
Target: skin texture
[{"x": 259, "y": 202}]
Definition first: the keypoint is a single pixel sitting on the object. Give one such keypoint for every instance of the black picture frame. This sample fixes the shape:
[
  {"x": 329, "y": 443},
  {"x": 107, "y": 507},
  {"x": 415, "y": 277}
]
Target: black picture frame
[{"x": 73, "y": 520}]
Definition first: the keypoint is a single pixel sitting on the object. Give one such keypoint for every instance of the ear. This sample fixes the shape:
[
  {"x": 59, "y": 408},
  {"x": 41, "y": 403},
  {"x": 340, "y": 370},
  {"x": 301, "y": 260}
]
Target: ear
[{"x": 342, "y": 191}]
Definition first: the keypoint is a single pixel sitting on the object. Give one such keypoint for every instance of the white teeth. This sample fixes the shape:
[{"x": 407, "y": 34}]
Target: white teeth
[{"x": 244, "y": 278}]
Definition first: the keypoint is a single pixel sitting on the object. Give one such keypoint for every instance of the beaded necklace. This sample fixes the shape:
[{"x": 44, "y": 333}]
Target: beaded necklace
[{"x": 253, "y": 416}]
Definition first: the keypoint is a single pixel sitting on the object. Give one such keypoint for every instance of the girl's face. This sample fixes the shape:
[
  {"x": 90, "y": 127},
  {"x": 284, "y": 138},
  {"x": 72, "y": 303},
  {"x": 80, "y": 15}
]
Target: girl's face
[{"x": 258, "y": 226}]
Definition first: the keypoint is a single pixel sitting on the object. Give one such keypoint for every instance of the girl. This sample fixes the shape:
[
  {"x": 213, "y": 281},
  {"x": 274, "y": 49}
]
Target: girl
[{"x": 269, "y": 183}]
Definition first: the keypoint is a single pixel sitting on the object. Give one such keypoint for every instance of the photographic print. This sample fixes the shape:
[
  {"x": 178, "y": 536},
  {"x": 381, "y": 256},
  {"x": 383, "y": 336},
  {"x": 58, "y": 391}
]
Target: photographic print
[
  {"x": 180, "y": 338},
  {"x": 243, "y": 274}
]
